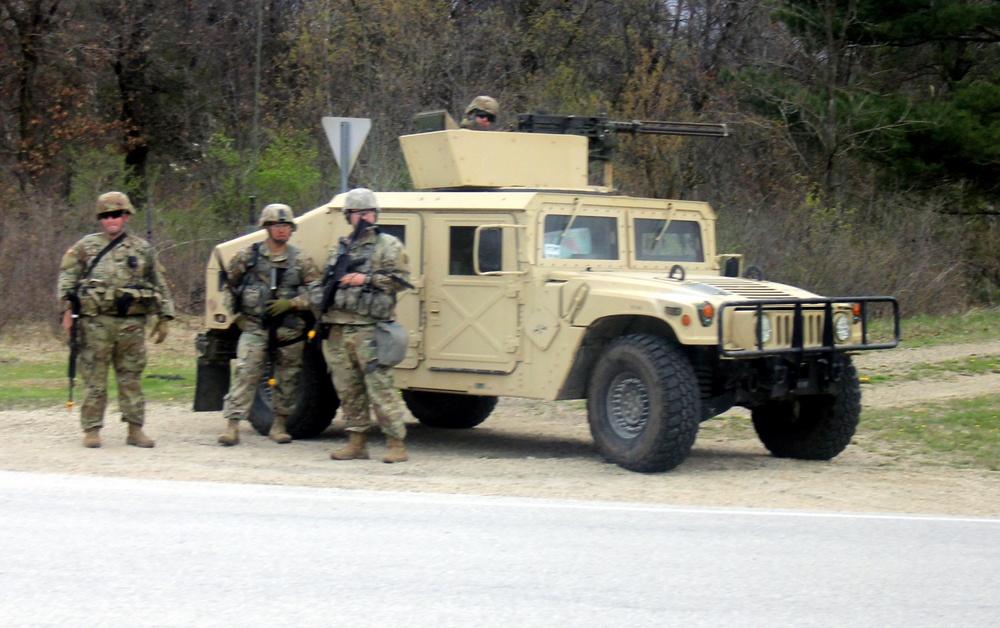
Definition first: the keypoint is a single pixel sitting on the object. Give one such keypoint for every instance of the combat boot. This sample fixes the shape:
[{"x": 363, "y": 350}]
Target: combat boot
[
  {"x": 232, "y": 435},
  {"x": 396, "y": 451},
  {"x": 137, "y": 437},
  {"x": 356, "y": 448},
  {"x": 278, "y": 433},
  {"x": 92, "y": 438}
]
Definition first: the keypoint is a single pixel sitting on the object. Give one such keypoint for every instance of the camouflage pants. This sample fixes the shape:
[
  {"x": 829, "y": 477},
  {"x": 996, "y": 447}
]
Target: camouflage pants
[
  {"x": 362, "y": 385},
  {"x": 107, "y": 340},
  {"x": 251, "y": 364}
]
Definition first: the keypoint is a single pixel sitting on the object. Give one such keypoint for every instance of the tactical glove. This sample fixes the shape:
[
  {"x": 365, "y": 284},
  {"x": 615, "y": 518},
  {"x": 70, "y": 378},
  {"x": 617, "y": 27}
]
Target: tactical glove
[
  {"x": 277, "y": 307},
  {"x": 159, "y": 331}
]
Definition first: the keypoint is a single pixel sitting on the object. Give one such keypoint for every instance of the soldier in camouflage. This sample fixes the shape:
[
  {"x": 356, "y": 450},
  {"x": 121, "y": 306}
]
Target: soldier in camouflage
[
  {"x": 270, "y": 283},
  {"x": 481, "y": 113},
  {"x": 109, "y": 284},
  {"x": 378, "y": 269}
]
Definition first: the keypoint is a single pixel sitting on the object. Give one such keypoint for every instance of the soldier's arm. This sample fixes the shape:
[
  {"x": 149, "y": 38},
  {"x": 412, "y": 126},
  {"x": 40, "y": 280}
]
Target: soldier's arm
[
  {"x": 311, "y": 279},
  {"x": 237, "y": 267},
  {"x": 70, "y": 269},
  {"x": 166, "y": 303},
  {"x": 391, "y": 272}
]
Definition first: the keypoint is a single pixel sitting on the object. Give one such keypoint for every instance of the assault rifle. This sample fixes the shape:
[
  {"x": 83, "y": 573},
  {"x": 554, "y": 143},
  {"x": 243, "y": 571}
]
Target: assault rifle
[
  {"x": 74, "y": 343},
  {"x": 273, "y": 323}
]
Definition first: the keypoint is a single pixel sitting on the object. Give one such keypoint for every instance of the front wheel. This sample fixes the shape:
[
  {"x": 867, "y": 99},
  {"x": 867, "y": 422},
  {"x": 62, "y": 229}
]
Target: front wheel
[
  {"x": 316, "y": 400},
  {"x": 643, "y": 404},
  {"x": 813, "y": 427},
  {"x": 448, "y": 410}
]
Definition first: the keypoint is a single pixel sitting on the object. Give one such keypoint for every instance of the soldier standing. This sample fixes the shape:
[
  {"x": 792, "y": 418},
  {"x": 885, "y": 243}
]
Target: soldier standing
[
  {"x": 481, "y": 113},
  {"x": 366, "y": 271},
  {"x": 270, "y": 282},
  {"x": 109, "y": 283}
]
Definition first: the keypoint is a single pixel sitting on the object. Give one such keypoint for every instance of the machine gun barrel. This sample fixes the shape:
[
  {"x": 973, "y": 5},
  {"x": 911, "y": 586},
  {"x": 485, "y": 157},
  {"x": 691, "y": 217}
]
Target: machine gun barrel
[
  {"x": 659, "y": 127},
  {"x": 601, "y": 132}
]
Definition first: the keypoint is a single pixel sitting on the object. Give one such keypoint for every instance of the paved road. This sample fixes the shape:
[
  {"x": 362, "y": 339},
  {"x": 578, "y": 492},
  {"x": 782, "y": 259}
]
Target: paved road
[{"x": 87, "y": 551}]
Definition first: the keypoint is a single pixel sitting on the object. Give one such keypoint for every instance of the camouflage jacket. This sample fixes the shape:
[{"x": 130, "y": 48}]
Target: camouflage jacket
[
  {"x": 383, "y": 260},
  {"x": 295, "y": 272},
  {"x": 127, "y": 281}
]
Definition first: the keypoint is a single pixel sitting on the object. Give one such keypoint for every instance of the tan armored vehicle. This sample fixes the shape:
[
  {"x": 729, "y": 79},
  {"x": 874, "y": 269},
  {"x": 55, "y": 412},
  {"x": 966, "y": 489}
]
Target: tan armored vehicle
[{"x": 531, "y": 282}]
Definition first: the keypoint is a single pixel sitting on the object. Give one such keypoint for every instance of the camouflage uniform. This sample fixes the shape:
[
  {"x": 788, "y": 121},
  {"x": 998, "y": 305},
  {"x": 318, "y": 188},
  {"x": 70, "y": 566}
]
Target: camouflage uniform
[
  {"x": 299, "y": 273},
  {"x": 361, "y": 383},
  {"x": 127, "y": 285}
]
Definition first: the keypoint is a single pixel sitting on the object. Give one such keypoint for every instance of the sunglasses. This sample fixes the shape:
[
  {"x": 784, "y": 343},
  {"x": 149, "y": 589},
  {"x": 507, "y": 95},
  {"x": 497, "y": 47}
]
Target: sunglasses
[
  {"x": 118, "y": 213},
  {"x": 483, "y": 114}
]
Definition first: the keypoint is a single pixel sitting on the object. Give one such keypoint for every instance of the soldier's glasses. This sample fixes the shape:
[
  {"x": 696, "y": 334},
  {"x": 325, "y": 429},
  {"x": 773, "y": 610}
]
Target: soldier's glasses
[
  {"x": 115, "y": 214},
  {"x": 488, "y": 116}
]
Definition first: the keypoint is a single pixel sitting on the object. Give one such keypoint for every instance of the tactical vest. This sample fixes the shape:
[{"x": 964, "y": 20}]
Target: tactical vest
[
  {"x": 255, "y": 288},
  {"x": 365, "y": 300},
  {"x": 119, "y": 284}
]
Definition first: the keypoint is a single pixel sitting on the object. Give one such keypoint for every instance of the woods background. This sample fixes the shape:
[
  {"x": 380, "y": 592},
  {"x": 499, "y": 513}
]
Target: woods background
[{"x": 865, "y": 156}]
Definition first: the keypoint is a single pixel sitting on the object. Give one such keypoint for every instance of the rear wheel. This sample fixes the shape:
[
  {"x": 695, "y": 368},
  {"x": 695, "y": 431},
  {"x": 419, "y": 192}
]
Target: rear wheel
[
  {"x": 448, "y": 410},
  {"x": 643, "y": 404},
  {"x": 814, "y": 427},
  {"x": 316, "y": 400}
]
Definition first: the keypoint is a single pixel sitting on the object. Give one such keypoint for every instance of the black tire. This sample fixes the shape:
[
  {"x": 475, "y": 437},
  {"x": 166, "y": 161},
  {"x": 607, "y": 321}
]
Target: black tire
[
  {"x": 643, "y": 404},
  {"x": 448, "y": 410},
  {"x": 316, "y": 400},
  {"x": 814, "y": 427}
]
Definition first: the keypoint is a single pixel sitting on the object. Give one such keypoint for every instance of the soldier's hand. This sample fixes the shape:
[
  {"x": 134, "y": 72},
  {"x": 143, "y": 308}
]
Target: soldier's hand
[
  {"x": 159, "y": 331},
  {"x": 277, "y": 307}
]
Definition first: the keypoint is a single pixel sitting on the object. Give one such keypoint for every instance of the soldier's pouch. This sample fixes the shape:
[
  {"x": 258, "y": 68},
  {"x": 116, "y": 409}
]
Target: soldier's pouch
[
  {"x": 252, "y": 301},
  {"x": 391, "y": 341},
  {"x": 93, "y": 297},
  {"x": 292, "y": 328}
]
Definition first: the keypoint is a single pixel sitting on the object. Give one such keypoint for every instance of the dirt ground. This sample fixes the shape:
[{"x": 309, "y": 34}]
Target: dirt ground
[{"x": 534, "y": 449}]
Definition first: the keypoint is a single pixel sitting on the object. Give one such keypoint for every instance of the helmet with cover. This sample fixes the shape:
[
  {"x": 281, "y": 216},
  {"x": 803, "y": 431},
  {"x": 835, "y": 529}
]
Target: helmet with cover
[
  {"x": 486, "y": 104},
  {"x": 360, "y": 199},
  {"x": 276, "y": 213},
  {"x": 112, "y": 202}
]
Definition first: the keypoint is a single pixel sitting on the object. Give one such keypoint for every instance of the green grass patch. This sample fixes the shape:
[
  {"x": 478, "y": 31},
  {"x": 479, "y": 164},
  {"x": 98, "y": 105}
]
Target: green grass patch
[
  {"x": 975, "y": 365},
  {"x": 44, "y": 382},
  {"x": 963, "y": 433},
  {"x": 924, "y": 330}
]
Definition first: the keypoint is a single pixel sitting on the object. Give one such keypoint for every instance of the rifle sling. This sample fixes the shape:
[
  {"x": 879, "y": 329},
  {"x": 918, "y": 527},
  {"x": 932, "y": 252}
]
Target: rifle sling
[{"x": 97, "y": 258}]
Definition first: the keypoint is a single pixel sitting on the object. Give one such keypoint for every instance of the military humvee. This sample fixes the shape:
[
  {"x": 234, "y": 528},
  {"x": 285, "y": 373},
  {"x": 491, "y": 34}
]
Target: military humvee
[{"x": 532, "y": 282}]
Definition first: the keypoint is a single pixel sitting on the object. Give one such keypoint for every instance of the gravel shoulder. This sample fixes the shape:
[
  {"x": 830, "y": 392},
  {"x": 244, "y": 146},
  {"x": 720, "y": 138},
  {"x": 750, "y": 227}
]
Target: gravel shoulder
[{"x": 537, "y": 449}]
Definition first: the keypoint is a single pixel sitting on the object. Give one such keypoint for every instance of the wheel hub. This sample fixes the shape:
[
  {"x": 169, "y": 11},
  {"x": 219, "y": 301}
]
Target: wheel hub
[{"x": 628, "y": 406}]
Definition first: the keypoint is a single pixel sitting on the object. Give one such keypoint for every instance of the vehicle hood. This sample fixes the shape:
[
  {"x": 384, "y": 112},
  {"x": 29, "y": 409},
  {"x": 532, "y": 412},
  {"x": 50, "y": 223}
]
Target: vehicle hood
[{"x": 693, "y": 288}]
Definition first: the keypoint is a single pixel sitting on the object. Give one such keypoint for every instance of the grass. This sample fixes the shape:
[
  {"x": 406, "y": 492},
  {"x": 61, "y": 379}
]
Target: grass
[
  {"x": 964, "y": 433},
  {"x": 936, "y": 370},
  {"x": 43, "y": 383},
  {"x": 923, "y": 330},
  {"x": 34, "y": 368}
]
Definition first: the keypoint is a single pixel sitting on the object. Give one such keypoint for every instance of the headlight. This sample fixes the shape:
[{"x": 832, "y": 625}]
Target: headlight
[
  {"x": 842, "y": 327},
  {"x": 765, "y": 329}
]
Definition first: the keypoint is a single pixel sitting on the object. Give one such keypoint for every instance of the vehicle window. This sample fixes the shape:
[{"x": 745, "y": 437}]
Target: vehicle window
[
  {"x": 587, "y": 237},
  {"x": 460, "y": 250},
  {"x": 398, "y": 231},
  {"x": 678, "y": 241}
]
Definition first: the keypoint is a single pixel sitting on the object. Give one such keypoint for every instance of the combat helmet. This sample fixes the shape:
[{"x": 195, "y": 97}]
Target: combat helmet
[
  {"x": 114, "y": 201},
  {"x": 484, "y": 103},
  {"x": 360, "y": 198},
  {"x": 276, "y": 213}
]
